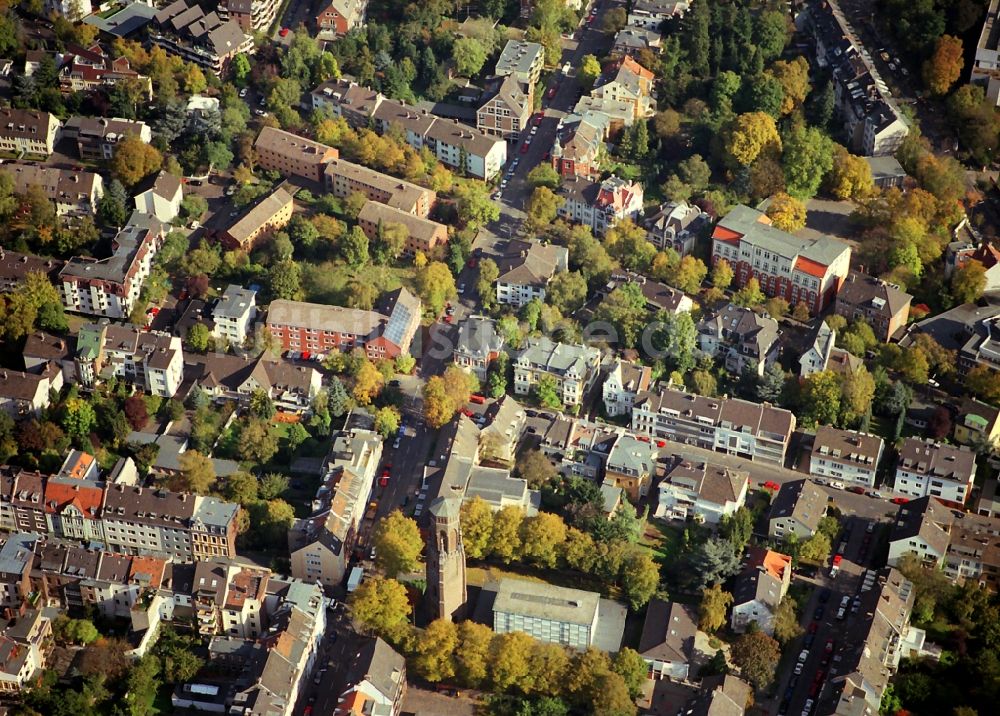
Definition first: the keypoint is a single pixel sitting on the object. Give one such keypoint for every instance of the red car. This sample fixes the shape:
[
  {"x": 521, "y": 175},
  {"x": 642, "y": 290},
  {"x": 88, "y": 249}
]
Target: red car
[
  {"x": 837, "y": 559},
  {"x": 551, "y": 93},
  {"x": 449, "y": 318},
  {"x": 829, "y": 646},
  {"x": 284, "y": 32},
  {"x": 477, "y": 399},
  {"x": 770, "y": 485},
  {"x": 899, "y": 500},
  {"x": 524, "y": 148},
  {"x": 857, "y": 490},
  {"x": 467, "y": 413},
  {"x": 383, "y": 481},
  {"x": 661, "y": 443},
  {"x": 813, "y": 627},
  {"x": 538, "y": 119}
]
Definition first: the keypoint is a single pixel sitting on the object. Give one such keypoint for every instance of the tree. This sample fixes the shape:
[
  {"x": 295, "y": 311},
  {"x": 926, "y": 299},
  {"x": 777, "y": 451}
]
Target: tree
[
  {"x": 772, "y": 383},
  {"x": 626, "y": 241},
  {"x": 567, "y": 291},
  {"x": 543, "y": 207},
  {"x": 242, "y": 488},
  {"x": 477, "y": 527},
  {"x": 505, "y": 537},
  {"x": 640, "y": 577},
  {"x": 750, "y": 295},
  {"x": 786, "y": 212},
  {"x": 547, "y": 393},
  {"x": 197, "y": 338},
  {"x": 387, "y": 421},
  {"x": 435, "y": 285},
  {"x": 509, "y": 661},
  {"x": 368, "y": 383},
  {"x": 625, "y": 310},
  {"x": 757, "y": 655},
  {"x": 856, "y": 392},
  {"x": 542, "y": 537},
  {"x": 134, "y": 160},
  {"x": 112, "y": 208},
  {"x": 968, "y": 282},
  {"x": 677, "y": 340},
  {"x": 544, "y": 175},
  {"x": 816, "y": 548},
  {"x": 80, "y": 631},
  {"x": 285, "y": 280},
  {"x": 258, "y": 441},
  {"x": 749, "y": 136},
  {"x": 712, "y": 610},
  {"x": 850, "y": 177},
  {"x": 435, "y": 649},
  {"x": 614, "y": 20},
  {"x": 272, "y": 485},
  {"x": 610, "y": 696},
  {"x": 444, "y": 395},
  {"x": 379, "y": 606},
  {"x": 786, "y": 621},
  {"x": 821, "y": 394},
  {"x": 630, "y": 665},
  {"x": 807, "y": 157},
  {"x": 714, "y": 561},
  {"x": 475, "y": 206},
  {"x": 197, "y": 473},
  {"x": 722, "y": 274},
  {"x": 472, "y": 655},
  {"x": 535, "y": 467},
  {"x": 398, "y": 544},
  {"x": 667, "y": 123},
  {"x": 469, "y": 55},
  {"x": 589, "y": 71},
  {"x": 942, "y": 69},
  {"x": 939, "y": 424},
  {"x": 794, "y": 80},
  {"x": 486, "y": 283}
]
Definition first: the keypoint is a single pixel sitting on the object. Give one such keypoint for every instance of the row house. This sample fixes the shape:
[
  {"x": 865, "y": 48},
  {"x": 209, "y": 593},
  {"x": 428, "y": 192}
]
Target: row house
[
  {"x": 72, "y": 192},
  {"x": 701, "y": 491},
  {"x": 291, "y": 155},
  {"x": 477, "y": 345},
  {"x": 376, "y": 681},
  {"x": 623, "y": 383},
  {"x": 845, "y": 456},
  {"x": 573, "y": 367},
  {"x": 110, "y": 287},
  {"x": 90, "y": 69},
  {"x": 343, "y": 178},
  {"x": 27, "y": 131},
  {"x": 506, "y": 109},
  {"x": 251, "y": 15},
  {"x": 269, "y": 215},
  {"x": 600, "y": 204},
  {"x": 421, "y": 234},
  {"x": 97, "y": 137},
  {"x": 736, "y": 427},
  {"x": 225, "y": 377},
  {"x": 385, "y": 332},
  {"x": 741, "y": 337},
  {"x": 807, "y": 270},
  {"x": 525, "y": 269},
  {"x": 151, "y": 361},
  {"x": 883, "y": 306},
  {"x": 340, "y": 16},
  {"x": 466, "y": 149},
  {"x": 925, "y": 467},
  {"x": 199, "y": 37},
  {"x": 677, "y": 226}
]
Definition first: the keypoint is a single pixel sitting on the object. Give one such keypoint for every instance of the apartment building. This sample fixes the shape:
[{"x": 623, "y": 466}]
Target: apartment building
[
  {"x": 881, "y": 305},
  {"x": 808, "y": 270},
  {"x": 986, "y": 62},
  {"x": 478, "y": 344},
  {"x": 600, "y": 205},
  {"x": 27, "y": 131},
  {"x": 16, "y": 557},
  {"x": 651, "y": 14},
  {"x": 27, "y": 394},
  {"x": 759, "y": 589},
  {"x": 110, "y": 287},
  {"x": 251, "y": 15},
  {"x": 228, "y": 598},
  {"x": 573, "y": 367},
  {"x": 15, "y": 266},
  {"x": 421, "y": 234},
  {"x": 25, "y": 645},
  {"x": 701, "y": 491},
  {"x": 578, "y": 145},
  {"x": 344, "y": 178},
  {"x": 340, "y": 16},
  {"x": 623, "y": 383},
  {"x": 233, "y": 314},
  {"x": 151, "y": 361},
  {"x": 925, "y": 467},
  {"x": 625, "y": 80},
  {"x": 730, "y": 425},
  {"x": 845, "y": 456},
  {"x": 631, "y": 466},
  {"x": 466, "y": 149},
  {"x": 740, "y": 338},
  {"x": 797, "y": 509},
  {"x": 270, "y": 214},
  {"x": 199, "y": 37},
  {"x": 383, "y": 333},
  {"x": 235, "y": 378},
  {"x": 72, "y": 192},
  {"x": 526, "y": 267},
  {"x": 633, "y": 39},
  {"x": 355, "y": 103},
  {"x": 97, "y": 137},
  {"x": 376, "y": 681},
  {"x": 523, "y": 61},
  {"x": 89, "y": 69},
  {"x": 506, "y": 109},
  {"x": 160, "y": 196},
  {"x": 291, "y": 155},
  {"x": 677, "y": 226}
]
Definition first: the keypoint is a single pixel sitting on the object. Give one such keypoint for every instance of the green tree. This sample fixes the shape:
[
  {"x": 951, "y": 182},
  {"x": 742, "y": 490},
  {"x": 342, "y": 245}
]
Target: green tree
[
  {"x": 273, "y": 485},
  {"x": 786, "y": 621},
  {"x": 285, "y": 280},
  {"x": 354, "y": 247},
  {"x": 630, "y": 665},
  {"x": 567, "y": 291},
  {"x": 475, "y": 206},
  {"x": 112, "y": 208},
  {"x": 543, "y": 207},
  {"x": 712, "y": 610},
  {"x": 398, "y": 544},
  {"x": 505, "y": 537},
  {"x": 640, "y": 577},
  {"x": 808, "y": 156},
  {"x": 750, "y": 295},
  {"x": 589, "y": 71},
  {"x": 544, "y": 175},
  {"x": 821, "y": 394},
  {"x": 78, "y": 418},
  {"x": 816, "y": 548},
  {"x": 486, "y": 283},
  {"x": 547, "y": 393},
  {"x": 477, "y": 527},
  {"x": 968, "y": 282},
  {"x": 387, "y": 421},
  {"x": 197, "y": 473},
  {"x": 435, "y": 650},
  {"x": 757, "y": 655},
  {"x": 435, "y": 285},
  {"x": 379, "y": 606},
  {"x": 258, "y": 441},
  {"x": 542, "y": 537},
  {"x": 469, "y": 55},
  {"x": 625, "y": 309}
]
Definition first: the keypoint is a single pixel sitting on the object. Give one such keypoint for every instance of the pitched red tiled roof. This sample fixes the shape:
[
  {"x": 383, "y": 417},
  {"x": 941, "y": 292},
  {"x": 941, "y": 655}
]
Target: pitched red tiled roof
[
  {"x": 813, "y": 268},
  {"x": 86, "y": 498}
]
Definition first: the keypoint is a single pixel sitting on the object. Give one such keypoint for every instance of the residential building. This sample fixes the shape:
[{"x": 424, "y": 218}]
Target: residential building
[
  {"x": 466, "y": 149},
  {"x": 27, "y": 394},
  {"x": 925, "y": 468},
  {"x": 321, "y": 545},
  {"x": 625, "y": 80},
  {"x": 151, "y": 361},
  {"x": 355, "y": 103},
  {"x": 110, "y": 287},
  {"x": 15, "y": 266},
  {"x": 376, "y": 681},
  {"x": 204, "y": 39},
  {"x": 632, "y": 39},
  {"x": 268, "y": 215},
  {"x": 809, "y": 270},
  {"x": 344, "y": 178},
  {"x": 881, "y": 305},
  {"x": 74, "y": 10},
  {"x": 959, "y": 254},
  {"x": 42, "y": 348},
  {"x": 383, "y": 333},
  {"x": 578, "y": 145},
  {"x": 506, "y": 109},
  {"x": 521, "y": 60},
  {"x": 526, "y": 267},
  {"x": 886, "y": 171},
  {"x": 27, "y": 131},
  {"x": 651, "y": 14},
  {"x": 556, "y": 615},
  {"x": 229, "y": 377},
  {"x": 659, "y": 296},
  {"x": 922, "y": 528},
  {"x": 759, "y": 589},
  {"x": 478, "y": 344},
  {"x": 579, "y": 447},
  {"x": 986, "y": 62},
  {"x": 978, "y": 423},
  {"x": 677, "y": 226},
  {"x": 498, "y": 438},
  {"x": 667, "y": 640},
  {"x": 742, "y": 338},
  {"x": 421, "y": 234},
  {"x": 625, "y": 380},
  {"x": 817, "y": 356},
  {"x": 722, "y": 695},
  {"x": 701, "y": 491},
  {"x": 251, "y": 15},
  {"x": 72, "y": 192},
  {"x": 340, "y": 16},
  {"x": 845, "y": 456},
  {"x": 90, "y": 69},
  {"x": 160, "y": 196},
  {"x": 16, "y": 557},
  {"x": 797, "y": 509},
  {"x": 446, "y": 582},
  {"x": 25, "y": 643},
  {"x": 737, "y": 427},
  {"x": 291, "y": 155},
  {"x": 600, "y": 205},
  {"x": 574, "y": 368},
  {"x": 233, "y": 314},
  {"x": 228, "y": 598},
  {"x": 616, "y": 114},
  {"x": 97, "y": 137},
  {"x": 631, "y": 466}
]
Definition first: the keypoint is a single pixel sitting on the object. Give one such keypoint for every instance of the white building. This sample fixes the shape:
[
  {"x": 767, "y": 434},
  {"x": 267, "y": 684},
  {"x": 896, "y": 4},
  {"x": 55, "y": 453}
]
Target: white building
[
  {"x": 926, "y": 468},
  {"x": 817, "y": 356},
  {"x": 845, "y": 456},
  {"x": 759, "y": 590},
  {"x": 160, "y": 196},
  {"x": 526, "y": 267},
  {"x": 233, "y": 314},
  {"x": 704, "y": 492},
  {"x": 556, "y": 615},
  {"x": 478, "y": 345},
  {"x": 600, "y": 205},
  {"x": 625, "y": 380},
  {"x": 151, "y": 361},
  {"x": 28, "y": 131},
  {"x": 651, "y": 14}
]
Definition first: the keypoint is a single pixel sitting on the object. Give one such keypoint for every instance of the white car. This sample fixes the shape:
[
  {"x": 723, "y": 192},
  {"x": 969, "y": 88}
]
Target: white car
[
  {"x": 243, "y": 93},
  {"x": 798, "y": 668},
  {"x": 803, "y": 655},
  {"x": 461, "y": 288},
  {"x": 807, "y": 709},
  {"x": 837, "y": 484}
]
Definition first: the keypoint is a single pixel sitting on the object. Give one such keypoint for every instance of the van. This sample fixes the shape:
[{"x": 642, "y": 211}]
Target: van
[{"x": 354, "y": 580}]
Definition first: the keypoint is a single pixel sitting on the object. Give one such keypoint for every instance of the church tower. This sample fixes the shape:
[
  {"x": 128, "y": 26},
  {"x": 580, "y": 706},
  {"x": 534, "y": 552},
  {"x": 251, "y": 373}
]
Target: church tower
[{"x": 446, "y": 561}]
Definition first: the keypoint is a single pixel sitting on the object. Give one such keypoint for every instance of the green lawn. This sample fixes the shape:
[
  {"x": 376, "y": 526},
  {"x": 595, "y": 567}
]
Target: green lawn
[{"x": 327, "y": 282}]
